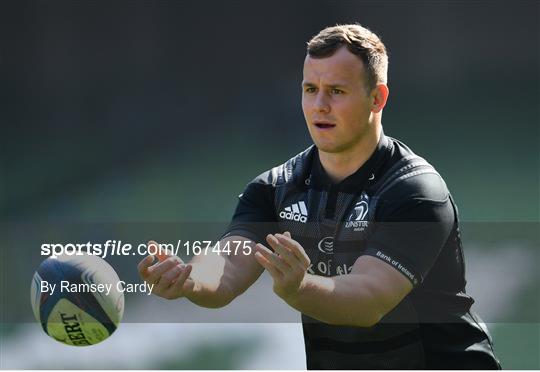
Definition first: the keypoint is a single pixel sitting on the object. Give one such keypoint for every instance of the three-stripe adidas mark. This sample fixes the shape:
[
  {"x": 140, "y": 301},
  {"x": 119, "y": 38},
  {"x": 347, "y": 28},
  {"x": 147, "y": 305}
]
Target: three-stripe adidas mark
[{"x": 296, "y": 212}]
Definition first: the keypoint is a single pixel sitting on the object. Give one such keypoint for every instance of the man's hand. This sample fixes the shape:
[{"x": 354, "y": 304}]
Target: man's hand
[
  {"x": 170, "y": 275},
  {"x": 287, "y": 264}
]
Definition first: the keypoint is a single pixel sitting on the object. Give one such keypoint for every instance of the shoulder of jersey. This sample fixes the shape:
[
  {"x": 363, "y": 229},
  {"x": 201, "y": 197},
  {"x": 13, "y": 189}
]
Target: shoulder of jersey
[
  {"x": 290, "y": 171},
  {"x": 413, "y": 176}
]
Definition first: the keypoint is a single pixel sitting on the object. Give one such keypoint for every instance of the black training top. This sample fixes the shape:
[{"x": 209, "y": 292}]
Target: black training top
[{"x": 396, "y": 208}]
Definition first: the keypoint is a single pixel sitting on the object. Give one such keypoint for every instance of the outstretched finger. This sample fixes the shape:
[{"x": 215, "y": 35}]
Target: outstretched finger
[
  {"x": 156, "y": 271},
  {"x": 268, "y": 266},
  {"x": 166, "y": 279},
  {"x": 177, "y": 286},
  {"x": 283, "y": 251},
  {"x": 275, "y": 259},
  {"x": 143, "y": 266},
  {"x": 294, "y": 247}
]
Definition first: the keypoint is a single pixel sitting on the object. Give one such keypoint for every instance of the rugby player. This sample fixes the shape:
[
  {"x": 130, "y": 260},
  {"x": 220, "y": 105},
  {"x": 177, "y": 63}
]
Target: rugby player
[{"x": 358, "y": 233}]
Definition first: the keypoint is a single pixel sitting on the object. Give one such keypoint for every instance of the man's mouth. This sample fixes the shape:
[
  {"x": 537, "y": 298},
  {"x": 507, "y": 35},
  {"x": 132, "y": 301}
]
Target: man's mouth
[{"x": 324, "y": 125}]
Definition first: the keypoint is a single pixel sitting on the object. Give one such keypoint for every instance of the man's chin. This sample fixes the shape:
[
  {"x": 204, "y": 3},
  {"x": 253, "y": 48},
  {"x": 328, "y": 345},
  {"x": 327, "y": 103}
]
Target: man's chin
[
  {"x": 327, "y": 145},
  {"x": 329, "y": 148}
]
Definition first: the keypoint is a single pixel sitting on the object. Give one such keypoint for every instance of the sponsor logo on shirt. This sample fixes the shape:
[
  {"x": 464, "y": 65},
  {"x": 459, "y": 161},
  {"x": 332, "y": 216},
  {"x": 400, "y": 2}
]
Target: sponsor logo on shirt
[
  {"x": 398, "y": 266},
  {"x": 295, "y": 212},
  {"x": 326, "y": 245},
  {"x": 326, "y": 268}
]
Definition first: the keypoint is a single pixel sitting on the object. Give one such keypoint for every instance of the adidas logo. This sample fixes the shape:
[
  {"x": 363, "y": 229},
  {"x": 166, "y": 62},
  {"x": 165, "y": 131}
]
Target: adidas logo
[{"x": 296, "y": 212}]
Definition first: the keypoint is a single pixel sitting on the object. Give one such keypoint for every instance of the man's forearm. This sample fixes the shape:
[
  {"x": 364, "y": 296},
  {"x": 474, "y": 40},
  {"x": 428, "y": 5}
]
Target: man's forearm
[
  {"x": 220, "y": 279},
  {"x": 340, "y": 300},
  {"x": 211, "y": 289}
]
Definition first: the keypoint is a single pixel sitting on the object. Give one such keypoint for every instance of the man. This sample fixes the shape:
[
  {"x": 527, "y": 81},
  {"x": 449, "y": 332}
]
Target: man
[{"x": 370, "y": 252}]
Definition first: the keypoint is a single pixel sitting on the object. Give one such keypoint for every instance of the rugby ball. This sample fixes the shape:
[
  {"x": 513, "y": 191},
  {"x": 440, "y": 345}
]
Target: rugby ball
[{"x": 77, "y": 299}]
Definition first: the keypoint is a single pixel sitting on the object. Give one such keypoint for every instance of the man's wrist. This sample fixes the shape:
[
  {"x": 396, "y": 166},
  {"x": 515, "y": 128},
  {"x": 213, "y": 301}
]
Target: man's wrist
[{"x": 294, "y": 299}]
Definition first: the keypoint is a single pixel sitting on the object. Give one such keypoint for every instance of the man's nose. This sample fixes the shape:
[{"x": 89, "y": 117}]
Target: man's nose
[{"x": 321, "y": 102}]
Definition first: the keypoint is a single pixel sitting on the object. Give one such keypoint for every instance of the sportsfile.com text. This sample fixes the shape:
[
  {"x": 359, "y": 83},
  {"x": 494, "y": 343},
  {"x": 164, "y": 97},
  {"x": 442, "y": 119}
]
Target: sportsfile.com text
[{"x": 119, "y": 248}]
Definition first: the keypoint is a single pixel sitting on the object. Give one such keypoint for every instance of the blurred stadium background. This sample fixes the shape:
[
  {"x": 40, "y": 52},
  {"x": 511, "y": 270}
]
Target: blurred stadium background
[{"x": 139, "y": 112}]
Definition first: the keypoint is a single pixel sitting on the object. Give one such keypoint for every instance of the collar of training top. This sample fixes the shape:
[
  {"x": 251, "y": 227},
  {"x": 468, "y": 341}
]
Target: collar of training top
[{"x": 367, "y": 174}]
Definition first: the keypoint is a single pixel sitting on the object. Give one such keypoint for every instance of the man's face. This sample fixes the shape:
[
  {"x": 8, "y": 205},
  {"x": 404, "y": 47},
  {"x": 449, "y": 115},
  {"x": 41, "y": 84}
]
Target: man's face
[{"x": 335, "y": 101}]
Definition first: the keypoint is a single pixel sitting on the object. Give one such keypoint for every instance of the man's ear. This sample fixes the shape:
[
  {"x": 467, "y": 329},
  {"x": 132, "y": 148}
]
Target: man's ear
[{"x": 380, "y": 96}]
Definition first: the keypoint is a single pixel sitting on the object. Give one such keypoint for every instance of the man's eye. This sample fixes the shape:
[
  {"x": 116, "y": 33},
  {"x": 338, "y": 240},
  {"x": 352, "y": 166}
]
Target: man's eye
[
  {"x": 310, "y": 90},
  {"x": 337, "y": 91}
]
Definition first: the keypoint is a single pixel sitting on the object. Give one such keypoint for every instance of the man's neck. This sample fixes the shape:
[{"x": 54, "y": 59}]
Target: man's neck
[{"x": 341, "y": 165}]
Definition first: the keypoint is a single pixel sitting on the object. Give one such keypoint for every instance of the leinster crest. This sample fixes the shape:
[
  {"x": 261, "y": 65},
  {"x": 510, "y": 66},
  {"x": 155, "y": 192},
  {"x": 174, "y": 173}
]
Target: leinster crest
[{"x": 357, "y": 220}]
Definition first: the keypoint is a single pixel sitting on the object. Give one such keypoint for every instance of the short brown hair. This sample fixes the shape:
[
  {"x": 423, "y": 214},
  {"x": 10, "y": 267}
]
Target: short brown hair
[{"x": 358, "y": 40}]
